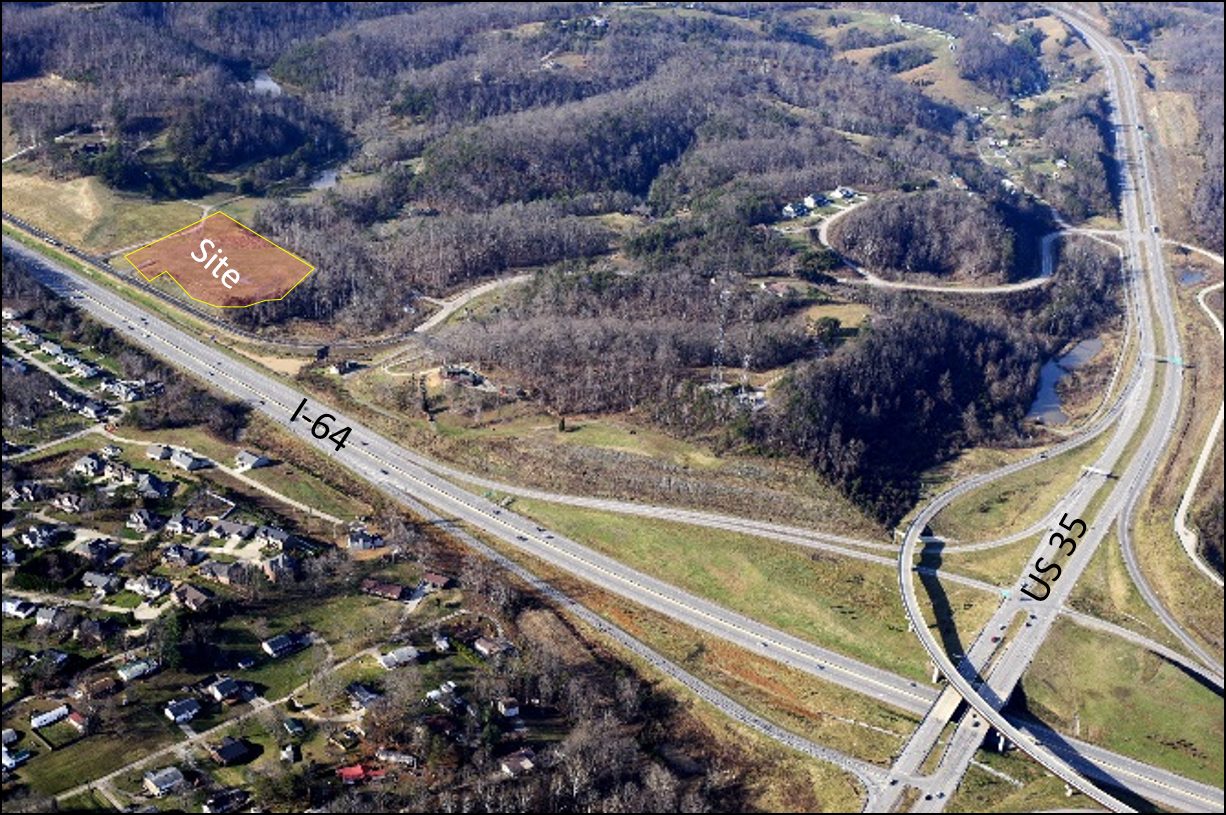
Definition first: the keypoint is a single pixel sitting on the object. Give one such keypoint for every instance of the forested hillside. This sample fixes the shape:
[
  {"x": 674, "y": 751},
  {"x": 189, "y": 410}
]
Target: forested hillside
[{"x": 637, "y": 158}]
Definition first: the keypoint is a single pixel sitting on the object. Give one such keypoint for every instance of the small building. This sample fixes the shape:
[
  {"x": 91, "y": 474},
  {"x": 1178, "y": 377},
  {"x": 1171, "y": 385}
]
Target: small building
[
  {"x": 9, "y": 736},
  {"x": 396, "y": 757},
  {"x": 351, "y": 775},
  {"x": 54, "y": 618},
  {"x": 158, "y": 452},
  {"x": 50, "y": 348},
  {"x": 182, "y": 711},
  {"x": 229, "y": 751},
  {"x": 280, "y": 568},
  {"x": 96, "y": 688},
  {"x": 247, "y": 460},
  {"x": 79, "y": 722},
  {"x": 224, "y": 688},
  {"x": 441, "y": 643},
  {"x": 272, "y": 536},
  {"x": 97, "y": 633},
  {"x": 111, "y": 451},
  {"x": 150, "y": 587},
  {"x": 360, "y": 696},
  {"x": 401, "y": 656},
  {"x": 142, "y": 521},
  {"x": 49, "y": 717},
  {"x": 388, "y": 591},
  {"x": 182, "y": 556},
  {"x": 102, "y": 582},
  {"x": 433, "y": 581},
  {"x": 21, "y": 609},
  {"x": 163, "y": 781},
  {"x": 136, "y": 669},
  {"x": 88, "y": 465},
  {"x": 815, "y": 201},
  {"x": 487, "y": 647},
  {"x": 361, "y": 540},
  {"x": 94, "y": 410},
  {"x": 185, "y": 460},
  {"x": 68, "y": 502},
  {"x": 519, "y": 762},
  {"x": 39, "y": 537},
  {"x": 224, "y": 573},
  {"x": 99, "y": 550},
  {"x": 294, "y": 727},
  {"x": 281, "y": 645},
  {"x": 227, "y": 800},
  {"x": 508, "y": 706},
  {"x": 191, "y": 598},
  {"x": 183, "y": 524},
  {"x": 231, "y": 530},
  {"x": 149, "y": 485}
]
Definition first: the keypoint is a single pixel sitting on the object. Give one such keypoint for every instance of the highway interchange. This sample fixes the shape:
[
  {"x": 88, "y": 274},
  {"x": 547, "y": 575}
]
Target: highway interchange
[{"x": 418, "y": 482}]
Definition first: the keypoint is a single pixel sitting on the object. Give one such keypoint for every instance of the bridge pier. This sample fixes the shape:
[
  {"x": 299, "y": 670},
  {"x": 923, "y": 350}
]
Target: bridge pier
[
  {"x": 936, "y": 673},
  {"x": 1002, "y": 743}
]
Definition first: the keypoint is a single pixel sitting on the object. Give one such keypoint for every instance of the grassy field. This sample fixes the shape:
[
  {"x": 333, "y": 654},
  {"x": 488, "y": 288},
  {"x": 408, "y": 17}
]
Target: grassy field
[
  {"x": 141, "y": 732},
  {"x": 838, "y": 603},
  {"x": 86, "y": 213},
  {"x": 981, "y": 791},
  {"x": 1128, "y": 700}
]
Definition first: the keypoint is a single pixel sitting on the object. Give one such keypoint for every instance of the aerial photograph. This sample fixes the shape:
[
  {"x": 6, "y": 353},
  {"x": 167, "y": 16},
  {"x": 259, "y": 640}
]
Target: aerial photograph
[{"x": 618, "y": 407}]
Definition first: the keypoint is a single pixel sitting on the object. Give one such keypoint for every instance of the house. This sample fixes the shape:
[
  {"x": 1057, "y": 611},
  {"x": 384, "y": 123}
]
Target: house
[
  {"x": 53, "y": 618},
  {"x": 37, "y": 537},
  {"x": 361, "y": 540},
  {"x": 158, "y": 452},
  {"x": 182, "y": 524},
  {"x": 167, "y": 779},
  {"x": 487, "y": 647},
  {"x": 111, "y": 451},
  {"x": 14, "y": 760},
  {"x": 149, "y": 485},
  {"x": 351, "y": 775},
  {"x": 227, "y": 800},
  {"x": 388, "y": 591},
  {"x": 49, "y": 717},
  {"x": 360, "y": 696},
  {"x": 136, "y": 669},
  {"x": 441, "y": 643},
  {"x": 88, "y": 465},
  {"x": 142, "y": 521},
  {"x": 846, "y": 192},
  {"x": 433, "y": 581},
  {"x": 224, "y": 573},
  {"x": 181, "y": 711},
  {"x": 185, "y": 460},
  {"x": 815, "y": 201},
  {"x": 294, "y": 727},
  {"x": 14, "y": 365},
  {"x": 8, "y": 555},
  {"x": 83, "y": 369},
  {"x": 99, "y": 550},
  {"x": 94, "y": 410},
  {"x": 150, "y": 587},
  {"x": 398, "y": 657},
  {"x": 16, "y": 607},
  {"x": 28, "y": 491},
  {"x": 116, "y": 472},
  {"x": 50, "y": 348},
  {"x": 102, "y": 582},
  {"x": 272, "y": 536},
  {"x": 396, "y": 757},
  {"x": 178, "y": 555},
  {"x": 96, "y": 633},
  {"x": 232, "y": 530},
  {"x": 68, "y": 502},
  {"x": 9, "y": 736},
  {"x": 224, "y": 688},
  {"x": 509, "y": 707},
  {"x": 282, "y": 644},
  {"x": 518, "y": 762},
  {"x": 96, "y": 688},
  {"x": 795, "y": 210},
  {"x": 291, "y": 753},
  {"x": 56, "y": 659},
  {"x": 190, "y": 597},
  {"x": 246, "y": 460},
  {"x": 230, "y": 751},
  {"x": 279, "y": 568},
  {"x": 342, "y": 367},
  {"x": 79, "y": 722}
]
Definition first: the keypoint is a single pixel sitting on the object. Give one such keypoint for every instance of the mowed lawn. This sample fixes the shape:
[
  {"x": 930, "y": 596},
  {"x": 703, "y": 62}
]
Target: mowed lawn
[
  {"x": 847, "y": 605},
  {"x": 1128, "y": 700}
]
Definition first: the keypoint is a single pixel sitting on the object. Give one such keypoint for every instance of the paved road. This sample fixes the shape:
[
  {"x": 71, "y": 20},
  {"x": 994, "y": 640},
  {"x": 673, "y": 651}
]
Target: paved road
[
  {"x": 995, "y": 662},
  {"x": 453, "y": 305},
  {"x": 389, "y": 467}
]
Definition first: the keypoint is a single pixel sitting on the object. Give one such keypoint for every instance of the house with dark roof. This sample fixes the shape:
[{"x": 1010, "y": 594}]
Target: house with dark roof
[
  {"x": 38, "y": 537},
  {"x": 229, "y": 751},
  {"x": 282, "y": 644},
  {"x": 519, "y": 762},
  {"x": 280, "y": 568},
  {"x": 142, "y": 521},
  {"x": 179, "y": 555},
  {"x": 99, "y": 550},
  {"x": 231, "y": 529},
  {"x": 224, "y": 573},
  {"x": 103, "y": 582},
  {"x": 54, "y": 618},
  {"x": 190, "y": 597},
  {"x": 272, "y": 536},
  {"x": 181, "y": 711},
  {"x": 360, "y": 540},
  {"x": 224, "y": 688},
  {"x": 388, "y": 591},
  {"x": 149, "y": 485},
  {"x": 163, "y": 781},
  {"x": 182, "y": 524}
]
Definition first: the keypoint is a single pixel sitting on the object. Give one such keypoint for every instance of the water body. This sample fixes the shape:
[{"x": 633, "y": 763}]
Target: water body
[
  {"x": 263, "y": 83},
  {"x": 325, "y": 180},
  {"x": 1046, "y": 407},
  {"x": 1190, "y": 278}
]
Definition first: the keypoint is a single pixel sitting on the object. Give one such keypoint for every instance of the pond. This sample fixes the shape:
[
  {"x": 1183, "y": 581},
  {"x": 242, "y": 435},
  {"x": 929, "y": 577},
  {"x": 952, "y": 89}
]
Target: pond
[
  {"x": 1188, "y": 277},
  {"x": 1046, "y": 407}
]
